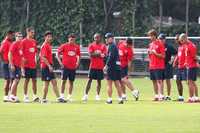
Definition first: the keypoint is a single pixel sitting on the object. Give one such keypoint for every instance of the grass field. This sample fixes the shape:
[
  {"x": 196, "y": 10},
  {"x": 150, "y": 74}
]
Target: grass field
[{"x": 97, "y": 117}]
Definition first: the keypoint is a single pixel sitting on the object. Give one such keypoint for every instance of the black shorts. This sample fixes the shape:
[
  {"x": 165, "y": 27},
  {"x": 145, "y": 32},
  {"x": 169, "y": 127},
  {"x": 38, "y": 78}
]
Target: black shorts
[
  {"x": 113, "y": 74},
  {"x": 192, "y": 74},
  {"x": 31, "y": 73},
  {"x": 96, "y": 74},
  {"x": 157, "y": 74},
  {"x": 17, "y": 73},
  {"x": 181, "y": 74},
  {"x": 47, "y": 75},
  {"x": 168, "y": 73},
  {"x": 6, "y": 71},
  {"x": 68, "y": 74},
  {"x": 124, "y": 72}
]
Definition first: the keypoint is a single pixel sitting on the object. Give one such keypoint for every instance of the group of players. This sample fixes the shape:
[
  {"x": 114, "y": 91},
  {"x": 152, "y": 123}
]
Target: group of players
[{"x": 19, "y": 58}]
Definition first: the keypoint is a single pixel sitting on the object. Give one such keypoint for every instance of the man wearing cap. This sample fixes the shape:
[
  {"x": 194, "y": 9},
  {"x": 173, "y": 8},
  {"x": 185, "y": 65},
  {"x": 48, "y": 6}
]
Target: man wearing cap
[
  {"x": 97, "y": 52},
  {"x": 69, "y": 62},
  {"x": 168, "y": 73},
  {"x": 113, "y": 69},
  {"x": 126, "y": 56}
]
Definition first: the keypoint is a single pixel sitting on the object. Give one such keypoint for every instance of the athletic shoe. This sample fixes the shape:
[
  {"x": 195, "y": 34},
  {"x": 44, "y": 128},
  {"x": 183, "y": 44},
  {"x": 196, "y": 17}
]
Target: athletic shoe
[
  {"x": 14, "y": 100},
  {"x": 124, "y": 98},
  {"x": 136, "y": 94},
  {"x": 26, "y": 99},
  {"x": 6, "y": 99},
  {"x": 121, "y": 102},
  {"x": 156, "y": 99},
  {"x": 85, "y": 98},
  {"x": 190, "y": 100},
  {"x": 68, "y": 99},
  {"x": 109, "y": 102},
  {"x": 36, "y": 99},
  {"x": 97, "y": 98},
  {"x": 167, "y": 98},
  {"x": 61, "y": 100},
  {"x": 44, "y": 101}
]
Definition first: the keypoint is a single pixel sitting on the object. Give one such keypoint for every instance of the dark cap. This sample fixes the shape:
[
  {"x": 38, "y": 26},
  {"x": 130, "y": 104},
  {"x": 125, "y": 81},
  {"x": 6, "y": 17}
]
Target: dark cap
[
  {"x": 162, "y": 36},
  {"x": 108, "y": 35},
  {"x": 129, "y": 41},
  {"x": 72, "y": 36}
]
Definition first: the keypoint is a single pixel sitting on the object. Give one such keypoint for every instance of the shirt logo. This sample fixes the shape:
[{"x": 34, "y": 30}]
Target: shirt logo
[
  {"x": 98, "y": 51},
  {"x": 71, "y": 53},
  {"x": 32, "y": 50},
  {"x": 20, "y": 52},
  {"x": 179, "y": 53}
]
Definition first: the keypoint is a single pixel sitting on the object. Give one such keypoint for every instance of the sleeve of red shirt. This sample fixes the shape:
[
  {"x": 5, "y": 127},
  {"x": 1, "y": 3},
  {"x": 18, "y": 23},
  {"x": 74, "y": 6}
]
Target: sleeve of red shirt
[
  {"x": 3, "y": 46},
  {"x": 12, "y": 48},
  {"x": 44, "y": 51},
  {"x": 90, "y": 49},
  {"x": 162, "y": 49},
  {"x": 78, "y": 52},
  {"x": 60, "y": 49},
  {"x": 130, "y": 54},
  {"x": 105, "y": 50}
]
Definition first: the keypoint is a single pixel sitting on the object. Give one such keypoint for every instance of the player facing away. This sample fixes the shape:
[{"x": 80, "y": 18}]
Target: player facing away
[
  {"x": 4, "y": 49},
  {"x": 29, "y": 50},
  {"x": 15, "y": 61},
  {"x": 46, "y": 64},
  {"x": 181, "y": 74},
  {"x": 191, "y": 65},
  {"x": 97, "y": 52},
  {"x": 168, "y": 72},
  {"x": 126, "y": 57},
  {"x": 112, "y": 68},
  {"x": 156, "y": 52},
  {"x": 69, "y": 62}
]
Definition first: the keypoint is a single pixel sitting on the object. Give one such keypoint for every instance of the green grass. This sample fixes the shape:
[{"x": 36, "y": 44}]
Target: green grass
[{"x": 97, "y": 117}]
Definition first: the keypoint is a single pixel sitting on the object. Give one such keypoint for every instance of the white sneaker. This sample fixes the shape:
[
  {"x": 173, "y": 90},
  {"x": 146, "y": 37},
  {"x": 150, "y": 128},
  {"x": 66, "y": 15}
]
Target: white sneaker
[
  {"x": 6, "y": 99},
  {"x": 85, "y": 98},
  {"x": 13, "y": 99},
  {"x": 136, "y": 94},
  {"x": 36, "y": 99},
  {"x": 26, "y": 99},
  {"x": 44, "y": 101},
  {"x": 97, "y": 98}
]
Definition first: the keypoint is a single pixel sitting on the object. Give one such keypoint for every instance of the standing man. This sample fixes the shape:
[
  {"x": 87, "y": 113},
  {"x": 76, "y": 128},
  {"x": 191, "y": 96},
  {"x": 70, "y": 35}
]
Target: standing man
[
  {"x": 4, "y": 49},
  {"x": 97, "y": 52},
  {"x": 46, "y": 64},
  {"x": 15, "y": 61},
  {"x": 112, "y": 68},
  {"x": 191, "y": 65},
  {"x": 69, "y": 62},
  {"x": 181, "y": 74},
  {"x": 29, "y": 49},
  {"x": 156, "y": 53},
  {"x": 168, "y": 73},
  {"x": 126, "y": 57}
]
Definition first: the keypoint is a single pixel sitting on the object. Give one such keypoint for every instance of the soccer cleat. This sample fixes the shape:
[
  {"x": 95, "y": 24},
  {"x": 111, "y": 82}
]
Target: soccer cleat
[
  {"x": 44, "y": 101},
  {"x": 190, "y": 100},
  {"x": 69, "y": 99},
  {"x": 180, "y": 100},
  {"x": 14, "y": 100},
  {"x": 109, "y": 102},
  {"x": 36, "y": 99},
  {"x": 124, "y": 98},
  {"x": 26, "y": 99},
  {"x": 156, "y": 99},
  {"x": 6, "y": 99},
  {"x": 121, "y": 102},
  {"x": 97, "y": 98},
  {"x": 61, "y": 100},
  {"x": 136, "y": 94},
  {"x": 167, "y": 98},
  {"x": 85, "y": 98}
]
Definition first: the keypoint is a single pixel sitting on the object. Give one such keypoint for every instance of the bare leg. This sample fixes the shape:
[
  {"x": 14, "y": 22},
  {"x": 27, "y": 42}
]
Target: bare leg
[
  {"x": 168, "y": 82},
  {"x": 26, "y": 81},
  {"x": 63, "y": 86},
  {"x": 88, "y": 86},
  {"x": 14, "y": 87},
  {"x": 6, "y": 87},
  {"x": 109, "y": 88},
  {"x": 71, "y": 84},
  {"x": 98, "y": 86},
  {"x": 55, "y": 87},
  {"x": 45, "y": 89},
  {"x": 34, "y": 86},
  {"x": 180, "y": 87},
  {"x": 118, "y": 87}
]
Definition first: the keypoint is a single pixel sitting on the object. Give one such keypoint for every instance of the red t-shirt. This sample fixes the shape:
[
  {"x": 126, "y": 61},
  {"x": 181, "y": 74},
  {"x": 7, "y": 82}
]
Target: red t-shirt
[
  {"x": 46, "y": 51},
  {"x": 181, "y": 56},
  {"x": 70, "y": 53},
  {"x": 29, "y": 49},
  {"x": 191, "y": 53},
  {"x": 97, "y": 62},
  {"x": 125, "y": 54},
  {"x": 4, "y": 49},
  {"x": 154, "y": 61},
  {"x": 16, "y": 51}
]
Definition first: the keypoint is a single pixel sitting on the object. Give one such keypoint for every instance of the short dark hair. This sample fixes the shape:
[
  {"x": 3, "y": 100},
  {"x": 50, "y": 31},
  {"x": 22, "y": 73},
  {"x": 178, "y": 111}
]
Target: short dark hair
[
  {"x": 72, "y": 35},
  {"x": 152, "y": 32},
  {"x": 9, "y": 32},
  {"x": 129, "y": 41},
  {"x": 29, "y": 29},
  {"x": 47, "y": 33}
]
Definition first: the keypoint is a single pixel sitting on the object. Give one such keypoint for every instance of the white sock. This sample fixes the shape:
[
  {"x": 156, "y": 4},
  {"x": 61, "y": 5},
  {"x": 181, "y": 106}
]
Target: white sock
[
  {"x": 156, "y": 96},
  {"x": 34, "y": 96},
  {"x": 119, "y": 98},
  {"x": 123, "y": 95},
  {"x": 69, "y": 96},
  {"x": 109, "y": 99},
  {"x": 25, "y": 95},
  {"x": 62, "y": 95}
]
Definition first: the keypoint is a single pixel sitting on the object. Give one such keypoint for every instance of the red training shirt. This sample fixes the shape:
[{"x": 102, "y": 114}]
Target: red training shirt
[
  {"x": 181, "y": 56},
  {"x": 46, "y": 51},
  {"x": 191, "y": 53},
  {"x": 4, "y": 49}
]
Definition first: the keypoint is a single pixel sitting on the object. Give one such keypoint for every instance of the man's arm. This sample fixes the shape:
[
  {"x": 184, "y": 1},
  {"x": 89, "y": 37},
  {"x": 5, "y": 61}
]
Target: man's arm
[{"x": 47, "y": 63}]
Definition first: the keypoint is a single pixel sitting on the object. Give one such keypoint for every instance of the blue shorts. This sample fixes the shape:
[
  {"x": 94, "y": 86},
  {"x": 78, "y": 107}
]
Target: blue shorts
[
  {"x": 157, "y": 74},
  {"x": 6, "y": 71},
  {"x": 68, "y": 74},
  {"x": 113, "y": 74},
  {"x": 17, "y": 73},
  {"x": 181, "y": 74},
  {"x": 31, "y": 73},
  {"x": 96, "y": 74},
  {"x": 47, "y": 75},
  {"x": 124, "y": 72},
  {"x": 168, "y": 73},
  {"x": 192, "y": 74}
]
